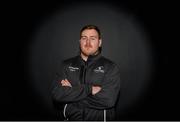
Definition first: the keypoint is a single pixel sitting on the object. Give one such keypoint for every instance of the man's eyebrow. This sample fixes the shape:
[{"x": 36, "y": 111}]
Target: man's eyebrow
[
  {"x": 83, "y": 36},
  {"x": 93, "y": 36},
  {"x": 90, "y": 36}
]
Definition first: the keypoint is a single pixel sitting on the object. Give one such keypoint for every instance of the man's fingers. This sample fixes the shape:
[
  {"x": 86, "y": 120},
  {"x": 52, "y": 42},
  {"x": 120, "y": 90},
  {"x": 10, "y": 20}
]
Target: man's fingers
[
  {"x": 62, "y": 81},
  {"x": 69, "y": 84},
  {"x": 65, "y": 83},
  {"x": 66, "y": 80},
  {"x": 96, "y": 89}
]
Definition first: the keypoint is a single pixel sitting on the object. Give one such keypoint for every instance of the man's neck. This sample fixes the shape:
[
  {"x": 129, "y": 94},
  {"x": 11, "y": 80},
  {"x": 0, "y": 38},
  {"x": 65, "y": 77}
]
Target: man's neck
[{"x": 85, "y": 57}]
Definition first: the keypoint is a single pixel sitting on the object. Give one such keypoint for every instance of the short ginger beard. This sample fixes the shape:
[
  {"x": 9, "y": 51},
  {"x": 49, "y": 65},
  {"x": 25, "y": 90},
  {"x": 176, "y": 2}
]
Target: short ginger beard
[{"x": 95, "y": 53}]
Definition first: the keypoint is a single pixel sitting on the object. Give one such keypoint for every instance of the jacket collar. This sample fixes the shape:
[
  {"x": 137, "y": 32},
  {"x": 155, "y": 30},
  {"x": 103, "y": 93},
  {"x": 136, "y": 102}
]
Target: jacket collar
[{"x": 90, "y": 59}]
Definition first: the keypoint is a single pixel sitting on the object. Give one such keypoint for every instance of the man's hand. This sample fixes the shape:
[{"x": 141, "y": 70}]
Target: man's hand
[
  {"x": 95, "y": 89},
  {"x": 66, "y": 83}
]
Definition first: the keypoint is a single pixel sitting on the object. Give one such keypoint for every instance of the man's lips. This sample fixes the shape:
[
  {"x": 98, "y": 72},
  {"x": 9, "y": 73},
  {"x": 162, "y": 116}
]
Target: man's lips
[{"x": 87, "y": 47}]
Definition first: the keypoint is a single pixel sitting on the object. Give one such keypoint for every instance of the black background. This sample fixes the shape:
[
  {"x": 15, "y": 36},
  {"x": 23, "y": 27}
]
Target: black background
[{"x": 18, "y": 102}]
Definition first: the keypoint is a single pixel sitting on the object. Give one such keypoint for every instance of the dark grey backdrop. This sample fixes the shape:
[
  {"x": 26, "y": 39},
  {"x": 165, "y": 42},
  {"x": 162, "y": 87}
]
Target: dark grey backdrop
[
  {"x": 125, "y": 41},
  {"x": 134, "y": 36}
]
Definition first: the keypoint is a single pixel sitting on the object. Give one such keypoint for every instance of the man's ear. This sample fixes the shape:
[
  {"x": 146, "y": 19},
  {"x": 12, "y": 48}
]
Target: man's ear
[{"x": 100, "y": 42}]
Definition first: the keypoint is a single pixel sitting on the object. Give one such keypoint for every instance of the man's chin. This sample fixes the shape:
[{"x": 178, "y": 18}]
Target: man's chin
[{"x": 87, "y": 53}]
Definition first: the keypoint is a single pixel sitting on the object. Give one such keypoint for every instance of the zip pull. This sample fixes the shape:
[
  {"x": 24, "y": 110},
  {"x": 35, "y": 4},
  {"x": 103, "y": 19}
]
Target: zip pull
[
  {"x": 104, "y": 115},
  {"x": 64, "y": 112}
]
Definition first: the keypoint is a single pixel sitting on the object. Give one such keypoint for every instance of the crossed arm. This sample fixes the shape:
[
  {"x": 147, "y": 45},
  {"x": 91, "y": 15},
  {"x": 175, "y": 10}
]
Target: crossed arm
[
  {"x": 98, "y": 97},
  {"x": 66, "y": 83},
  {"x": 65, "y": 92}
]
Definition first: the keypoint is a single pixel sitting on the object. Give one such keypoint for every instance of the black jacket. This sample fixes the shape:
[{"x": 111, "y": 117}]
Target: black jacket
[{"x": 77, "y": 101}]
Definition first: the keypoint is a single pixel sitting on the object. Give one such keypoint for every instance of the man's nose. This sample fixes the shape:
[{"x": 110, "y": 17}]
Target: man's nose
[{"x": 88, "y": 41}]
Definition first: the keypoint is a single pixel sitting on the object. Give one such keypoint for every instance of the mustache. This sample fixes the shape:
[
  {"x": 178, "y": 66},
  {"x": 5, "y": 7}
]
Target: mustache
[{"x": 88, "y": 45}]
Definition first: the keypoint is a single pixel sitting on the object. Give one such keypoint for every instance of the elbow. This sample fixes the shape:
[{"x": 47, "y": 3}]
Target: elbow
[
  {"x": 109, "y": 103},
  {"x": 56, "y": 96}
]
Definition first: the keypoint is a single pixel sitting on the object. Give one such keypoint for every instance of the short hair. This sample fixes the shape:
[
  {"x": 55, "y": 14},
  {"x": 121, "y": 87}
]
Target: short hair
[{"x": 91, "y": 27}]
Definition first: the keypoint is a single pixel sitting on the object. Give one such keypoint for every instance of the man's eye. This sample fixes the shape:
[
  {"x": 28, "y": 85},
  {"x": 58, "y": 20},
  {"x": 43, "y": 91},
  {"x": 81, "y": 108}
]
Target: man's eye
[
  {"x": 92, "y": 38},
  {"x": 83, "y": 38}
]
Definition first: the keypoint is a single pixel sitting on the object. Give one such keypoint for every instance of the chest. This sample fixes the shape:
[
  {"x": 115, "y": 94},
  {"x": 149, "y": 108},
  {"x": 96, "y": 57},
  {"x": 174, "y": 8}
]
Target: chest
[{"x": 84, "y": 74}]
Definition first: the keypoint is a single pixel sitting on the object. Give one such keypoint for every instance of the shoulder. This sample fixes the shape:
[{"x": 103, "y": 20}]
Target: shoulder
[
  {"x": 70, "y": 60},
  {"x": 61, "y": 64},
  {"x": 109, "y": 63}
]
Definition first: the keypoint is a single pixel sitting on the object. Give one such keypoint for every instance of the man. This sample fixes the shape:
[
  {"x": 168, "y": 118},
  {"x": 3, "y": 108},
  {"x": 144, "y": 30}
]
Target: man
[{"x": 87, "y": 85}]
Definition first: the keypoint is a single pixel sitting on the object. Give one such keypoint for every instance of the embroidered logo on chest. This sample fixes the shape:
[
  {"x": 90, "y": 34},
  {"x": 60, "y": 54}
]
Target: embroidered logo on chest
[
  {"x": 73, "y": 68},
  {"x": 99, "y": 69}
]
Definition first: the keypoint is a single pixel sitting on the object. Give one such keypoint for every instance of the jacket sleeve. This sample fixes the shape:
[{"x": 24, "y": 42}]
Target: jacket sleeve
[
  {"x": 107, "y": 97},
  {"x": 67, "y": 94}
]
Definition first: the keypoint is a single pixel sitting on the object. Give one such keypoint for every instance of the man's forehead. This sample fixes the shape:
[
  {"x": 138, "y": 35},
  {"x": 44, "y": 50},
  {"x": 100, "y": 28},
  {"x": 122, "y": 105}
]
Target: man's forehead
[
  {"x": 89, "y": 36},
  {"x": 90, "y": 31}
]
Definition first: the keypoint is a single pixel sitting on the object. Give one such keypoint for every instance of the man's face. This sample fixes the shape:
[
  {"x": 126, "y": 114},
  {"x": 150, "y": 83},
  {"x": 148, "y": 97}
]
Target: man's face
[{"x": 89, "y": 42}]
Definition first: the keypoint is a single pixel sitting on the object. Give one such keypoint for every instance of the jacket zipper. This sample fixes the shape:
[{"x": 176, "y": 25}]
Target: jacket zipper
[
  {"x": 64, "y": 112},
  {"x": 104, "y": 115},
  {"x": 84, "y": 81}
]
